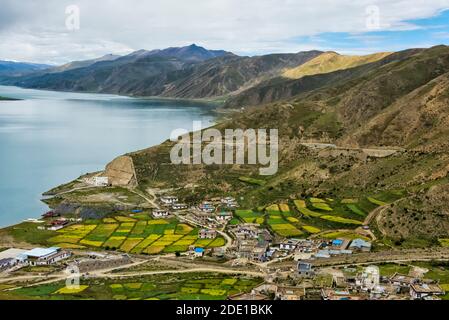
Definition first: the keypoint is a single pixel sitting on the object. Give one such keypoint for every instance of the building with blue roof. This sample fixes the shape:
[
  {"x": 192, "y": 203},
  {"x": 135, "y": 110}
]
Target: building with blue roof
[
  {"x": 337, "y": 242},
  {"x": 198, "y": 252}
]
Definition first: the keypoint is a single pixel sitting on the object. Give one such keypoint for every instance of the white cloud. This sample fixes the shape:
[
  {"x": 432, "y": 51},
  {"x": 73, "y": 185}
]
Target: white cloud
[{"x": 35, "y": 30}]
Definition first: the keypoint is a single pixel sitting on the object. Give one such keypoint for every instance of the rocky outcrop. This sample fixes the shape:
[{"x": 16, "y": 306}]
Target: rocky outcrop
[{"x": 121, "y": 172}]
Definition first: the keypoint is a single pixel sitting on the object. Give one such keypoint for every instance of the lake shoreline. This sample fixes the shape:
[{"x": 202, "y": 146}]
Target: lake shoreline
[
  {"x": 219, "y": 101},
  {"x": 73, "y": 127},
  {"x": 8, "y": 99}
]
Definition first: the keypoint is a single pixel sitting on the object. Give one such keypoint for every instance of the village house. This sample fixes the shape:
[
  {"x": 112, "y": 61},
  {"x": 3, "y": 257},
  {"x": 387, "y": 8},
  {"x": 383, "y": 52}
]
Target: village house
[
  {"x": 259, "y": 252},
  {"x": 419, "y": 291},
  {"x": 252, "y": 250},
  {"x": 229, "y": 202},
  {"x": 290, "y": 293},
  {"x": 160, "y": 213},
  {"x": 207, "y": 234},
  {"x": 224, "y": 216},
  {"x": 215, "y": 201},
  {"x": 360, "y": 245},
  {"x": 247, "y": 231},
  {"x": 305, "y": 245},
  {"x": 169, "y": 200},
  {"x": 332, "y": 294},
  {"x": 56, "y": 225},
  {"x": 101, "y": 181},
  {"x": 288, "y": 245},
  {"x": 198, "y": 252},
  {"x": 206, "y": 207},
  {"x": 179, "y": 206},
  {"x": 245, "y": 248},
  {"x": 41, "y": 256},
  {"x": 305, "y": 269}
]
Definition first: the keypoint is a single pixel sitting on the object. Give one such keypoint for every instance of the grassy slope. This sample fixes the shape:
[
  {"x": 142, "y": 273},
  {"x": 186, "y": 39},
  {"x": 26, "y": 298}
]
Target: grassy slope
[{"x": 330, "y": 62}]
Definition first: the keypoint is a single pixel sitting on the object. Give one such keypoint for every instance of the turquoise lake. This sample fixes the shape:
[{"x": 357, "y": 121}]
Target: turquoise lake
[{"x": 50, "y": 138}]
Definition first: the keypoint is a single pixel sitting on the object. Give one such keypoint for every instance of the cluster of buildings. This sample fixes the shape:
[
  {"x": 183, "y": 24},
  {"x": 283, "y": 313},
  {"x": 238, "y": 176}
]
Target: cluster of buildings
[
  {"x": 17, "y": 258},
  {"x": 251, "y": 242},
  {"x": 213, "y": 213},
  {"x": 258, "y": 244},
  {"x": 370, "y": 285},
  {"x": 367, "y": 284},
  {"x": 339, "y": 247},
  {"x": 55, "y": 222}
]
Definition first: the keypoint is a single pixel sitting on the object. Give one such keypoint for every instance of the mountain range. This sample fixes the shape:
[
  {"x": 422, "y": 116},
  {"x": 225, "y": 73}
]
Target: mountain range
[
  {"x": 194, "y": 72},
  {"x": 185, "y": 72},
  {"x": 18, "y": 69}
]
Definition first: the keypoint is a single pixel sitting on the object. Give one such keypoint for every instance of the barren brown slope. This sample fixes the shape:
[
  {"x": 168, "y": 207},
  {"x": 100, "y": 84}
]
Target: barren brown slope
[
  {"x": 420, "y": 118},
  {"x": 229, "y": 75},
  {"x": 367, "y": 96},
  {"x": 281, "y": 88}
]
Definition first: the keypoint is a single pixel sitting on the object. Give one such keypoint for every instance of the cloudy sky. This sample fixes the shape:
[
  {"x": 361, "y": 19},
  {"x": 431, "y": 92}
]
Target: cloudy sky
[{"x": 46, "y": 31}]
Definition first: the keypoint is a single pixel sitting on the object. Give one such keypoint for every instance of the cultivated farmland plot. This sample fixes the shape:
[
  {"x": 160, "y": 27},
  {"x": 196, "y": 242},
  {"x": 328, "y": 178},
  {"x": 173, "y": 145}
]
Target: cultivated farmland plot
[
  {"x": 183, "y": 287},
  {"x": 133, "y": 236}
]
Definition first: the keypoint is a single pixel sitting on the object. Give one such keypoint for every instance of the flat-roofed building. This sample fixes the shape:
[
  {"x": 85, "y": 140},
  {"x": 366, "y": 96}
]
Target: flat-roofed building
[
  {"x": 207, "y": 234},
  {"x": 45, "y": 256},
  {"x": 420, "y": 291},
  {"x": 290, "y": 293},
  {"x": 160, "y": 213},
  {"x": 169, "y": 200}
]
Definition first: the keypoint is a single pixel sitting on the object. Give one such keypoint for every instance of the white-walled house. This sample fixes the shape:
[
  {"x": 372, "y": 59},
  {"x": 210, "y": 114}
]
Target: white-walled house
[
  {"x": 224, "y": 216},
  {"x": 179, "y": 206},
  {"x": 101, "y": 181},
  {"x": 161, "y": 213},
  {"x": 169, "y": 200},
  {"x": 207, "y": 234}
]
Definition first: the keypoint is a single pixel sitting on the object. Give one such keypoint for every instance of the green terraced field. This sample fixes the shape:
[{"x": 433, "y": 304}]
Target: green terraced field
[{"x": 189, "y": 286}]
